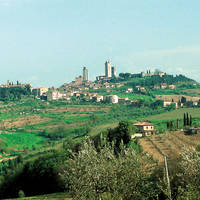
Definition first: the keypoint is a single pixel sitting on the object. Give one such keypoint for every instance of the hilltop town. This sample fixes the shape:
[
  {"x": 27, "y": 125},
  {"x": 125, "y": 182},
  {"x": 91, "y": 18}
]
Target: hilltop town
[
  {"x": 114, "y": 89},
  {"x": 151, "y": 114}
]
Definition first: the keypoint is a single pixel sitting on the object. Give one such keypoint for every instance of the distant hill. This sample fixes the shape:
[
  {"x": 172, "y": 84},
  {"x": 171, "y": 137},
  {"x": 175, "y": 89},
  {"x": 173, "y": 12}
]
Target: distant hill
[{"x": 153, "y": 80}]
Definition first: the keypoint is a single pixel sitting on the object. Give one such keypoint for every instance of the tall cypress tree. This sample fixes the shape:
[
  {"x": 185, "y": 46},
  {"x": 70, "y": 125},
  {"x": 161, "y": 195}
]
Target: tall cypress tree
[
  {"x": 184, "y": 120},
  {"x": 187, "y": 120},
  {"x": 167, "y": 125}
]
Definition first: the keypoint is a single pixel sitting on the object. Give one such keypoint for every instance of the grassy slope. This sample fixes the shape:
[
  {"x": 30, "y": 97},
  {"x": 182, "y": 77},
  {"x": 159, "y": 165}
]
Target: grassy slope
[
  {"x": 20, "y": 140},
  {"x": 55, "y": 196},
  {"x": 176, "y": 114}
]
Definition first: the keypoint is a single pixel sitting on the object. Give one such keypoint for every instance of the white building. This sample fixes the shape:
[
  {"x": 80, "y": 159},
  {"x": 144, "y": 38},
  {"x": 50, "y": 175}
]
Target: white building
[
  {"x": 145, "y": 127},
  {"x": 55, "y": 95},
  {"x": 129, "y": 90},
  {"x": 39, "y": 91},
  {"x": 112, "y": 98}
]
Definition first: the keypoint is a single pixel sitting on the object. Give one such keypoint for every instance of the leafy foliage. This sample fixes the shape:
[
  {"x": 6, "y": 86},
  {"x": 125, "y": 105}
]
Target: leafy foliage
[
  {"x": 122, "y": 133},
  {"x": 94, "y": 175},
  {"x": 13, "y": 93}
]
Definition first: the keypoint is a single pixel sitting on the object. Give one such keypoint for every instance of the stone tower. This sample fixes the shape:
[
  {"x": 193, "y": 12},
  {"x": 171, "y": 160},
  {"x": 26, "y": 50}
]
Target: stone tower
[
  {"x": 85, "y": 74},
  {"x": 108, "y": 69},
  {"x": 114, "y": 74}
]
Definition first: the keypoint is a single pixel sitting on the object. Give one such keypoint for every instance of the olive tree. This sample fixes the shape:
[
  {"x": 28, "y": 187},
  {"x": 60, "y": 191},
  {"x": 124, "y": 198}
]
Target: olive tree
[
  {"x": 92, "y": 174},
  {"x": 190, "y": 174}
]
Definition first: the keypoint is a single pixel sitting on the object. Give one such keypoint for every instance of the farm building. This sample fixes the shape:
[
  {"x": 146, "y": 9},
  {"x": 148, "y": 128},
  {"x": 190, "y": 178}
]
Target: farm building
[
  {"x": 167, "y": 103},
  {"x": 112, "y": 98},
  {"x": 39, "y": 91},
  {"x": 145, "y": 127}
]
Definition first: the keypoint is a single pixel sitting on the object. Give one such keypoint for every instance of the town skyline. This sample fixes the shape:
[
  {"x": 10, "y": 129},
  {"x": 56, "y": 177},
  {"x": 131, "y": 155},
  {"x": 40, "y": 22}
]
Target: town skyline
[
  {"x": 48, "y": 42},
  {"x": 84, "y": 73}
]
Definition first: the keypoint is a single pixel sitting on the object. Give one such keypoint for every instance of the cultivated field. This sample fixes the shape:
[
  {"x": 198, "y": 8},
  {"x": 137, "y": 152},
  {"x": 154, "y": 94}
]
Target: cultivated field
[
  {"x": 169, "y": 144},
  {"x": 193, "y": 92},
  {"x": 22, "y": 123}
]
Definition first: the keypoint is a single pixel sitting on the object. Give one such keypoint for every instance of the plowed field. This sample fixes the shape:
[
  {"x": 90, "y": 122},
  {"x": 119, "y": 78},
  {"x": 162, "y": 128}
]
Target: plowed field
[{"x": 169, "y": 144}]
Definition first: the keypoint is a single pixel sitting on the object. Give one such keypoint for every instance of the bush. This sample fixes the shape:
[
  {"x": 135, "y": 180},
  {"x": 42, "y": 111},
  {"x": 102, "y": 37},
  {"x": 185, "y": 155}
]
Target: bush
[
  {"x": 198, "y": 147},
  {"x": 21, "y": 194}
]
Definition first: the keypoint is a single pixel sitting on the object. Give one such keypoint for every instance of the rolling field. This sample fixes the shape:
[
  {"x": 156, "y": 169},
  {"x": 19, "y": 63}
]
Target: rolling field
[
  {"x": 169, "y": 144},
  {"x": 17, "y": 141},
  {"x": 192, "y": 92},
  {"x": 22, "y": 122},
  {"x": 175, "y": 114}
]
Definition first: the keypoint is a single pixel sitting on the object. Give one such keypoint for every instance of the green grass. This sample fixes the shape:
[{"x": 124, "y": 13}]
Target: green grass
[
  {"x": 20, "y": 140},
  {"x": 175, "y": 114},
  {"x": 55, "y": 196},
  {"x": 99, "y": 128}
]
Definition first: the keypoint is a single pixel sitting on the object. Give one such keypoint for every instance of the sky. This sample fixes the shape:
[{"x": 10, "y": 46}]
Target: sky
[{"x": 47, "y": 42}]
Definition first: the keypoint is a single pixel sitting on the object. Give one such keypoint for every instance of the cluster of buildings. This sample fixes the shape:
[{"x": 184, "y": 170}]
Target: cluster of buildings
[
  {"x": 156, "y": 73},
  {"x": 179, "y": 100},
  {"x": 110, "y": 72},
  {"x": 84, "y": 89},
  {"x": 164, "y": 86},
  {"x": 85, "y": 96},
  {"x": 17, "y": 84},
  {"x": 82, "y": 83}
]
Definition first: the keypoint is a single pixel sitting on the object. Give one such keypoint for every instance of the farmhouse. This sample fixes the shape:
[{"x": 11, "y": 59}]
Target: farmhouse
[
  {"x": 112, "y": 98},
  {"x": 163, "y": 85},
  {"x": 167, "y": 103},
  {"x": 129, "y": 90},
  {"x": 98, "y": 98},
  {"x": 39, "y": 91},
  {"x": 55, "y": 95},
  {"x": 145, "y": 127},
  {"x": 172, "y": 87}
]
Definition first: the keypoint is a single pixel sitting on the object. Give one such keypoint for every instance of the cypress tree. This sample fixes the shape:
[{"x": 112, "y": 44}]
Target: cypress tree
[
  {"x": 187, "y": 120},
  {"x": 167, "y": 125},
  {"x": 190, "y": 120},
  {"x": 184, "y": 120},
  {"x": 171, "y": 125}
]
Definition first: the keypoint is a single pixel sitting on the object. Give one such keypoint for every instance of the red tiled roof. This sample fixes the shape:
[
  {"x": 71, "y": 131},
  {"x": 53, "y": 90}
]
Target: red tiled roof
[{"x": 143, "y": 124}]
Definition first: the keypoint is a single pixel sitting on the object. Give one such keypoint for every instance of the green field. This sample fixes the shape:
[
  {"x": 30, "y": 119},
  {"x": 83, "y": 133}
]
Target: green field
[
  {"x": 55, "y": 196},
  {"x": 21, "y": 140},
  {"x": 175, "y": 114}
]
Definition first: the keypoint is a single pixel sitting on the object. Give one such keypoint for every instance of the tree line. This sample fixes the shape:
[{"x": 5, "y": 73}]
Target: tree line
[{"x": 14, "y": 93}]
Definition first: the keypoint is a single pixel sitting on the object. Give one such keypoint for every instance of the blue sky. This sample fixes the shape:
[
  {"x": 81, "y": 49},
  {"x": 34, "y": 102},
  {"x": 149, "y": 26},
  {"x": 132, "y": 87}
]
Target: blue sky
[{"x": 47, "y": 42}]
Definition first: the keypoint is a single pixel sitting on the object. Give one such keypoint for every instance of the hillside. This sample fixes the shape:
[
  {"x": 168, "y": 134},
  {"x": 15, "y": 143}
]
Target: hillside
[
  {"x": 169, "y": 144},
  {"x": 35, "y": 134}
]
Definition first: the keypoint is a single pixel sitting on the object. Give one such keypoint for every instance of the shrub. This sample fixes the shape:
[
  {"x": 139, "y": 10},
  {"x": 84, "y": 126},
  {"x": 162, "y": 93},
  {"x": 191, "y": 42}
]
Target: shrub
[{"x": 21, "y": 194}]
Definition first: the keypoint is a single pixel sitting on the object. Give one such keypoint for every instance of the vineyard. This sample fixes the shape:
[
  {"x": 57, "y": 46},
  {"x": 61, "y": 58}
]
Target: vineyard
[{"x": 169, "y": 144}]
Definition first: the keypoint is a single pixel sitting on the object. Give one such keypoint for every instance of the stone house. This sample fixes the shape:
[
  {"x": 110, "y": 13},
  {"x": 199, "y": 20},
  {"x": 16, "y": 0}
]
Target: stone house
[{"x": 146, "y": 128}]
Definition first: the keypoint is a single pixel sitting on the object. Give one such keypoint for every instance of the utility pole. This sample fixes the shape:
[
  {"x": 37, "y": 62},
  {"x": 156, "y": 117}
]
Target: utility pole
[{"x": 167, "y": 176}]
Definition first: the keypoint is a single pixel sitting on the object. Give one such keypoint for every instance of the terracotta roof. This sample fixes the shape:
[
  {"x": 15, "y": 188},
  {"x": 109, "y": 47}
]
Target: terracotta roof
[{"x": 143, "y": 124}]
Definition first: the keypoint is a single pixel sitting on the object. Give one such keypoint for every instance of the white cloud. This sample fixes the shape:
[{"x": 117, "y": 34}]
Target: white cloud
[
  {"x": 4, "y": 3},
  {"x": 11, "y": 2}
]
